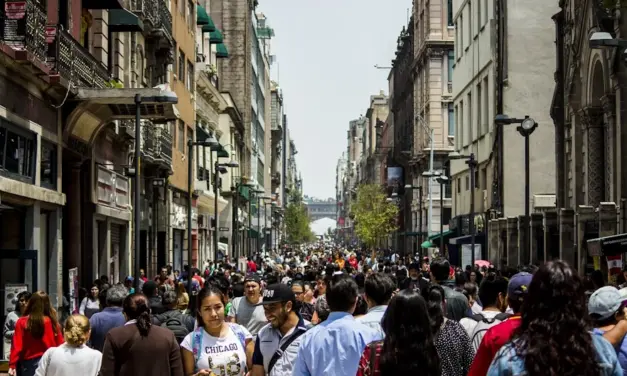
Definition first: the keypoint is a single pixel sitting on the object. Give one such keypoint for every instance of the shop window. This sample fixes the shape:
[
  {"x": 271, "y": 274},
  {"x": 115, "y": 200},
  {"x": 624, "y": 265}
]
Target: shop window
[
  {"x": 17, "y": 153},
  {"x": 48, "y": 165}
]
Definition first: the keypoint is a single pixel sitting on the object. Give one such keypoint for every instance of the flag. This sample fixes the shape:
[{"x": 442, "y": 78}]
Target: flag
[{"x": 614, "y": 262}]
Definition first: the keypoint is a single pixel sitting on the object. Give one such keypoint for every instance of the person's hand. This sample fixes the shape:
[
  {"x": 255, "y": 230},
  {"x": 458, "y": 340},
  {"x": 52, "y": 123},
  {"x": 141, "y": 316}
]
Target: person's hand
[
  {"x": 12, "y": 372},
  {"x": 205, "y": 372}
]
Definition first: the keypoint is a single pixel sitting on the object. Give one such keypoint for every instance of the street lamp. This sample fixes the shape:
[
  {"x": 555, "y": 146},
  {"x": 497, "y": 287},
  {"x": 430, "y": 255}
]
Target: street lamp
[
  {"x": 472, "y": 165},
  {"x": 212, "y": 143},
  {"x": 526, "y": 128},
  {"x": 235, "y": 223},
  {"x": 443, "y": 180},
  {"x": 164, "y": 97}
]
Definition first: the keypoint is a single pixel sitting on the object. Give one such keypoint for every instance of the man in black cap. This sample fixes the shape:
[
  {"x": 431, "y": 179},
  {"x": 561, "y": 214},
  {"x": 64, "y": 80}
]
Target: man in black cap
[
  {"x": 246, "y": 310},
  {"x": 415, "y": 281},
  {"x": 277, "y": 343}
]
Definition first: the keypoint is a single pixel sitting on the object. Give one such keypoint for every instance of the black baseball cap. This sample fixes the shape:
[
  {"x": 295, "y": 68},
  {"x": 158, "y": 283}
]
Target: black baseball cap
[
  {"x": 277, "y": 293},
  {"x": 253, "y": 277}
]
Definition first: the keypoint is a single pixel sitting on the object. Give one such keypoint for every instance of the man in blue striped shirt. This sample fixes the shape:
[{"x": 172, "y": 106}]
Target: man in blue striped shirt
[{"x": 334, "y": 347}]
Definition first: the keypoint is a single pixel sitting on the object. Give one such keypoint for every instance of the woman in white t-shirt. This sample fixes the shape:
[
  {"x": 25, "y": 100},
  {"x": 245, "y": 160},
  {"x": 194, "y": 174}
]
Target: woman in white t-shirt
[{"x": 215, "y": 347}]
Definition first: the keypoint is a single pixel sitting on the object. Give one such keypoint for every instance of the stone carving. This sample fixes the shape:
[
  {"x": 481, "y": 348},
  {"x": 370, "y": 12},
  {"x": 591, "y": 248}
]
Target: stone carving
[
  {"x": 608, "y": 102},
  {"x": 592, "y": 122}
]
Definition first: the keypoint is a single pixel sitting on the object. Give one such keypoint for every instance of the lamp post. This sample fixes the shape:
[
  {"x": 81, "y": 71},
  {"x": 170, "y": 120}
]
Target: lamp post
[
  {"x": 235, "y": 222},
  {"x": 165, "y": 97},
  {"x": 443, "y": 180},
  {"x": 526, "y": 128},
  {"x": 210, "y": 142},
  {"x": 472, "y": 165},
  {"x": 219, "y": 168}
]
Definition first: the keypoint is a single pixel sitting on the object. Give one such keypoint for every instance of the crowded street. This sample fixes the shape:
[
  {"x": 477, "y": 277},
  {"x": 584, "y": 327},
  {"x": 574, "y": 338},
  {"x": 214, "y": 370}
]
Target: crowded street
[{"x": 313, "y": 188}]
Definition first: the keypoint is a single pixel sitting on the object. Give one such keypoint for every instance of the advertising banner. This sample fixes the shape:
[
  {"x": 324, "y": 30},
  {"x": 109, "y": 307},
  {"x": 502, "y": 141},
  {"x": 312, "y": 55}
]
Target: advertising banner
[{"x": 395, "y": 177}]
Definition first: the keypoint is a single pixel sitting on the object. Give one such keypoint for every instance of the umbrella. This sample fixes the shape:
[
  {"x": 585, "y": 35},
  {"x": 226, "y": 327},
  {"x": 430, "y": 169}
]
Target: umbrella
[{"x": 482, "y": 263}]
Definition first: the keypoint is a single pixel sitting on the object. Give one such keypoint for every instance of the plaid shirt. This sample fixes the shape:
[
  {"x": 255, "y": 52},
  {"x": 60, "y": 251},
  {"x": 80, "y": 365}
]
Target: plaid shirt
[{"x": 369, "y": 362}]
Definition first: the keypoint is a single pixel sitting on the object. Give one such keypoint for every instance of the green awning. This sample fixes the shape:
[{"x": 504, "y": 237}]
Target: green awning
[
  {"x": 222, "y": 153},
  {"x": 202, "y": 18},
  {"x": 216, "y": 37},
  {"x": 434, "y": 240},
  {"x": 121, "y": 21},
  {"x": 244, "y": 192},
  {"x": 209, "y": 28},
  {"x": 201, "y": 134},
  {"x": 252, "y": 233},
  {"x": 444, "y": 234},
  {"x": 427, "y": 244},
  {"x": 221, "y": 51}
]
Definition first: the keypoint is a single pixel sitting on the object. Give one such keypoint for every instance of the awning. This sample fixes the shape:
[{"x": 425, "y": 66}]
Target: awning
[
  {"x": 121, "y": 21},
  {"x": 466, "y": 239},
  {"x": 427, "y": 244},
  {"x": 221, "y": 51},
  {"x": 222, "y": 153},
  {"x": 434, "y": 240},
  {"x": 202, "y": 18},
  {"x": 607, "y": 246},
  {"x": 216, "y": 37},
  {"x": 201, "y": 134},
  {"x": 244, "y": 192}
]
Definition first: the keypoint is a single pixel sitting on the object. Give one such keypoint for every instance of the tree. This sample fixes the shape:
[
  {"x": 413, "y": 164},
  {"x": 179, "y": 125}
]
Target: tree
[
  {"x": 375, "y": 218},
  {"x": 297, "y": 220}
]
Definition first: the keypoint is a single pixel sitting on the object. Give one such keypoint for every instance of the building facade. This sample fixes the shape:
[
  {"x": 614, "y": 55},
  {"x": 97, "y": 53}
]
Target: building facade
[{"x": 490, "y": 78}]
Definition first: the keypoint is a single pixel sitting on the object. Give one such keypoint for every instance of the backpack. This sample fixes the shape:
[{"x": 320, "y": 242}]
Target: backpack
[
  {"x": 483, "y": 324},
  {"x": 176, "y": 324}
]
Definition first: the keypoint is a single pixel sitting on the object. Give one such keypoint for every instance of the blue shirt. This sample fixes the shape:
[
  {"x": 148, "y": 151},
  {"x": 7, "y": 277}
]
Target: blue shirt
[
  {"x": 334, "y": 347},
  {"x": 621, "y": 351},
  {"x": 102, "y": 322},
  {"x": 373, "y": 318}
]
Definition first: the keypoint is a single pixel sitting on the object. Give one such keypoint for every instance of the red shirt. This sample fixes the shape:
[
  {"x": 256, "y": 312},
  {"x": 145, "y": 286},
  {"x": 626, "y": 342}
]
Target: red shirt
[
  {"x": 369, "y": 362},
  {"x": 26, "y": 347},
  {"x": 494, "y": 339},
  {"x": 252, "y": 267}
]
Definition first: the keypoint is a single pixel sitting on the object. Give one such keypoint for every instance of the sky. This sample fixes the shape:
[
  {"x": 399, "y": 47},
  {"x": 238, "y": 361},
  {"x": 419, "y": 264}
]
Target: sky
[{"x": 326, "y": 51}]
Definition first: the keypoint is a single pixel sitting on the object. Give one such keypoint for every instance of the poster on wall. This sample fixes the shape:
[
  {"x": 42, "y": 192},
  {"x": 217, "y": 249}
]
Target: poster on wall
[
  {"x": 395, "y": 177},
  {"x": 11, "y": 290},
  {"x": 73, "y": 283}
]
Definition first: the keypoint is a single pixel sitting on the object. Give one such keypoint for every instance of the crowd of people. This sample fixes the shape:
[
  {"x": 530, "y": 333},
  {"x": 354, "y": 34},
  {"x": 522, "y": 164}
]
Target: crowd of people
[{"x": 325, "y": 311}]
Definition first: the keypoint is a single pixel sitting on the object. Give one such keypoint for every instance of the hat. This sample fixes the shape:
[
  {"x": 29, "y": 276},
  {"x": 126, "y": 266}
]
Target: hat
[
  {"x": 253, "y": 278},
  {"x": 276, "y": 293},
  {"x": 604, "y": 302},
  {"x": 130, "y": 278},
  {"x": 518, "y": 285}
]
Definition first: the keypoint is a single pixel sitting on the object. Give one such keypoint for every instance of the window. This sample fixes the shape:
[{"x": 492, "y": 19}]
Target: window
[
  {"x": 17, "y": 153},
  {"x": 461, "y": 35},
  {"x": 486, "y": 104},
  {"x": 467, "y": 182},
  {"x": 451, "y": 120},
  {"x": 190, "y": 135},
  {"x": 451, "y": 62},
  {"x": 181, "y": 6},
  {"x": 448, "y": 191},
  {"x": 477, "y": 179},
  {"x": 450, "y": 12},
  {"x": 191, "y": 22},
  {"x": 479, "y": 15},
  {"x": 484, "y": 178},
  {"x": 479, "y": 110},
  {"x": 485, "y": 11},
  {"x": 471, "y": 134},
  {"x": 459, "y": 185},
  {"x": 189, "y": 83},
  {"x": 260, "y": 173},
  {"x": 48, "y": 165},
  {"x": 180, "y": 136},
  {"x": 459, "y": 128},
  {"x": 181, "y": 64}
]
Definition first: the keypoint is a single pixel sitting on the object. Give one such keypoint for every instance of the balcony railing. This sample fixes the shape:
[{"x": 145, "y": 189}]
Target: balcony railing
[
  {"x": 156, "y": 141},
  {"x": 112, "y": 188},
  {"x": 74, "y": 62},
  {"x": 156, "y": 13},
  {"x": 23, "y": 27}
]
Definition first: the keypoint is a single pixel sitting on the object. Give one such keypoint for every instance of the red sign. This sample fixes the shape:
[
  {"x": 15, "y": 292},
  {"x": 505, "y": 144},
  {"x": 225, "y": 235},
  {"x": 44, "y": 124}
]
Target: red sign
[
  {"x": 15, "y": 10},
  {"x": 51, "y": 33}
]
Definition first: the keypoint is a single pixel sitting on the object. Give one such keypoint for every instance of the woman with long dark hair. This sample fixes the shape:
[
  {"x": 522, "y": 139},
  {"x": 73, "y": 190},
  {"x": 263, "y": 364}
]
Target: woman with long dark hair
[
  {"x": 554, "y": 336},
  {"x": 138, "y": 348},
  {"x": 35, "y": 332},
  {"x": 451, "y": 340},
  {"x": 408, "y": 347},
  {"x": 21, "y": 300},
  {"x": 91, "y": 303}
]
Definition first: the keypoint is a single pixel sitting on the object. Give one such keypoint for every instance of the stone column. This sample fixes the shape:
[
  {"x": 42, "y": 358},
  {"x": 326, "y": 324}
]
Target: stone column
[
  {"x": 537, "y": 236},
  {"x": 584, "y": 214},
  {"x": 608, "y": 226},
  {"x": 493, "y": 241},
  {"x": 512, "y": 242},
  {"x": 32, "y": 241},
  {"x": 594, "y": 171},
  {"x": 55, "y": 257},
  {"x": 74, "y": 222},
  {"x": 566, "y": 222},
  {"x": 549, "y": 222},
  {"x": 523, "y": 254},
  {"x": 502, "y": 250},
  {"x": 608, "y": 102}
]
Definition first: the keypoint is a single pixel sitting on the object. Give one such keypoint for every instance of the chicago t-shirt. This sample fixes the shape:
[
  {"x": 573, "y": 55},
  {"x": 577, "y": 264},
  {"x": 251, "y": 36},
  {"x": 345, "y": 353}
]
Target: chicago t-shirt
[{"x": 223, "y": 356}]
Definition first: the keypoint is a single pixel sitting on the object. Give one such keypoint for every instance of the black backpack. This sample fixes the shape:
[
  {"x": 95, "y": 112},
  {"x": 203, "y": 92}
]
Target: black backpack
[{"x": 176, "y": 324}]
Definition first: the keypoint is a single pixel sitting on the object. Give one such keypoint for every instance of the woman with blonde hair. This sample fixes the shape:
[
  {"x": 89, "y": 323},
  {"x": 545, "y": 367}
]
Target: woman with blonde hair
[
  {"x": 35, "y": 332},
  {"x": 182, "y": 297},
  {"x": 73, "y": 355}
]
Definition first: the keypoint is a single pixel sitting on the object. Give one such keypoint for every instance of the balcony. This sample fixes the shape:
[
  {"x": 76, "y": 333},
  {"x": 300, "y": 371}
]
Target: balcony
[
  {"x": 276, "y": 178},
  {"x": 23, "y": 33},
  {"x": 71, "y": 63},
  {"x": 112, "y": 188},
  {"x": 156, "y": 142},
  {"x": 157, "y": 19}
]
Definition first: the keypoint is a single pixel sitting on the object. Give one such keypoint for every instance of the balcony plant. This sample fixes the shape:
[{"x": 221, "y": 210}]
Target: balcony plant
[
  {"x": 115, "y": 84},
  {"x": 212, "y": 70}
]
